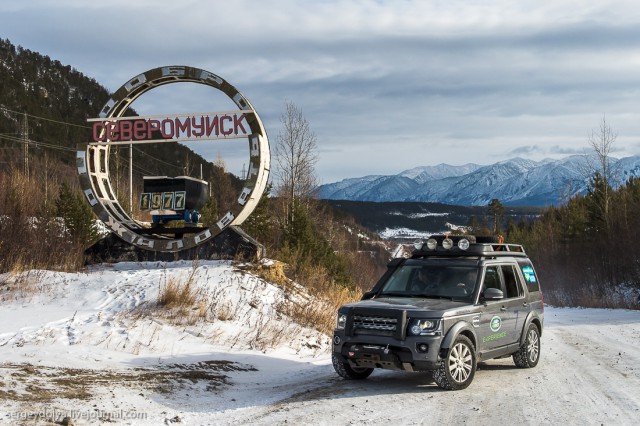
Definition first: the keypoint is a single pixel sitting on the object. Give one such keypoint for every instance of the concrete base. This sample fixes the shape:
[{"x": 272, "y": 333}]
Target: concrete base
[{"x": 232, "y": 243}]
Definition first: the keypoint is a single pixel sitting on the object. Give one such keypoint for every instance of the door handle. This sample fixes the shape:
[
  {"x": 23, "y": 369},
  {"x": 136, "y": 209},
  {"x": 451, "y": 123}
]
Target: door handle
[
  {"x": 503, "y": 309},
  {"x": 525, "y": 304}
]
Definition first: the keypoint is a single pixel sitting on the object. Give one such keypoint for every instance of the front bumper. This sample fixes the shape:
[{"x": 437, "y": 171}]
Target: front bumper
[{"x": 414, "y": 353}]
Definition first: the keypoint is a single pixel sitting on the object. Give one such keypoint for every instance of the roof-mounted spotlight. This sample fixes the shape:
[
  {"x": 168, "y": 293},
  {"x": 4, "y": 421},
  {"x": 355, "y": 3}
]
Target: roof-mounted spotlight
[{"x": 447, "y": 243}]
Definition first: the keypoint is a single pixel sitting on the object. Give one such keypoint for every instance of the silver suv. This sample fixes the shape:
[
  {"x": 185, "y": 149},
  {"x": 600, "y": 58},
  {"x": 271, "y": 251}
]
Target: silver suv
[{"x": 455, "y": 302}]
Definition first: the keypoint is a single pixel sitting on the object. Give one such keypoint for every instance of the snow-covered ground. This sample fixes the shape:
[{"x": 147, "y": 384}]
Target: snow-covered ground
[
  {"x": 404, "y": 233},
  {"x": 93, "y": 347}
]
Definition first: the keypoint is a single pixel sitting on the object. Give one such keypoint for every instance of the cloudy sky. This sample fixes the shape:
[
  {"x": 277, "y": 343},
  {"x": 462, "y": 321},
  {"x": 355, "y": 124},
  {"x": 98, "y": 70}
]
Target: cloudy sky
[{"x": 385, "y": 85}]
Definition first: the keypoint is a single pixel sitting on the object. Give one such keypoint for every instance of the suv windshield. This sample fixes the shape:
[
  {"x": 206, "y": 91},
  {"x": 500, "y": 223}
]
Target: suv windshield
[{"x": 437, "y": 279}]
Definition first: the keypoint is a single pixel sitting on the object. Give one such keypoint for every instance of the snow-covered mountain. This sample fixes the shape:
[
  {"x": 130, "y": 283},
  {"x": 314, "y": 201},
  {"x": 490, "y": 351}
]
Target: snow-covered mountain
[
  {"x": 514, "y": 182},
  {"x": 425, "y": 174}
]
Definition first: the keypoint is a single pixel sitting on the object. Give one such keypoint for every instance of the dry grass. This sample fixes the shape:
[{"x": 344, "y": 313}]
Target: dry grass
[
  {"x": 30, "y": 236},
  {"x": 224, "y": 313},
  {"x": 39, "y": 384},
  {"x": 181, "y": 301},
  {"x": 273, "y": 272},
  {"x": 318, "y": 310},
  {"x": 20, "y": 284},
  {"x": 315, "y": 303}
]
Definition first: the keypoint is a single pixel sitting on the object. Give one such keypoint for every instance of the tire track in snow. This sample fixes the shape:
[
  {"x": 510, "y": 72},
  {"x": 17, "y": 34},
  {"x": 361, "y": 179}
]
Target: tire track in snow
[{"x": 588, "y": 374}]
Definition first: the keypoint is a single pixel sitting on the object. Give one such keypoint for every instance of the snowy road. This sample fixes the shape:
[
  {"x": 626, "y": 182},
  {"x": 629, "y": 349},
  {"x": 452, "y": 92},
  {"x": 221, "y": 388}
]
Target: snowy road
[
  {"x": 80, "y": 347},
  {"x": 589, "y": 373}
]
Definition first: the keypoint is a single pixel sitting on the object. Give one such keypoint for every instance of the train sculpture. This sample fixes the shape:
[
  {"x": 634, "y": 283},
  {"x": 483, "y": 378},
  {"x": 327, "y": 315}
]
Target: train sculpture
[{"x": 170, "y": 199}]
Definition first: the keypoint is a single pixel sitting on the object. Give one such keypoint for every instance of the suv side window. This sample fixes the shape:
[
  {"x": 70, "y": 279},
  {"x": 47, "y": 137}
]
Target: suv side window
[
  {"x": 529, "y": 276},
  {"x": 511, "y": 282},
  {"x": 492, "y": 278}
]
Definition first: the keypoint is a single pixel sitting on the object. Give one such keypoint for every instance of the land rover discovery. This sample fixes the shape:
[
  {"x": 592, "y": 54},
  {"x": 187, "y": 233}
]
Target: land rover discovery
[{"x": 455, "y": 302}]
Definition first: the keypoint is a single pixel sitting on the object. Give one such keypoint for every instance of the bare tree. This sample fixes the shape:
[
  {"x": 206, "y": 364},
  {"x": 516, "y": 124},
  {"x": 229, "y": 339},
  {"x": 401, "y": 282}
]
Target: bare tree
[
  {"x": 601, "y": 171},
  {"x": 296, "y": 155},
  {"x": 601, "y": 142}
]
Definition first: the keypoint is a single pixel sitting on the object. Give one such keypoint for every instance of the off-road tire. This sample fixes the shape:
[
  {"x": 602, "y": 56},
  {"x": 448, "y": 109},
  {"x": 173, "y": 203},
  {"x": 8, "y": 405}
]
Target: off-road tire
[
  {"x": 529, "y": 353},
  {"x": 457, "y": 369},
  {"x": 347, "y": 371}
]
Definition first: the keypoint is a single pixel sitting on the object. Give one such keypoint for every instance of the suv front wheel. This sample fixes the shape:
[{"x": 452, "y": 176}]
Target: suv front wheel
[
  {"x": 347, "y": 371},
  {"x": 459, "y": 366}
]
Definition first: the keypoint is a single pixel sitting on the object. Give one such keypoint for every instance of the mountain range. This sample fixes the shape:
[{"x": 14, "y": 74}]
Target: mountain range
[{"x": 515, "y": 182}]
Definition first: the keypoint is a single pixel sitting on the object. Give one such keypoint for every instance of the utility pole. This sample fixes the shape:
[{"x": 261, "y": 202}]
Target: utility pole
[
  {"x": 25, "y": 145},
  {"x": 130, "y": 179}
]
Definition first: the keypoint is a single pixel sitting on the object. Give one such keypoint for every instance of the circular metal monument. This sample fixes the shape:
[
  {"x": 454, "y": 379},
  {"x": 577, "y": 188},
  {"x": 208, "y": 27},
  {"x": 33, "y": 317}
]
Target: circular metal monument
[{"x": 112, "y": 129}]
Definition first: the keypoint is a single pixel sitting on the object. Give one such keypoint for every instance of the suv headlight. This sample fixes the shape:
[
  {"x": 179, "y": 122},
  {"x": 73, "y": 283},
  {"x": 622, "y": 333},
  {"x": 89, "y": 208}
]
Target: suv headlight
[
  {"x": 424, "y": 327},
  {"x": 341, "y": 321}
]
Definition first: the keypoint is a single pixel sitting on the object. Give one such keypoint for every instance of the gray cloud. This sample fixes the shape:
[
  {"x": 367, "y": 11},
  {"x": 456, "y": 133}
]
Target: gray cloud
[
  {"x": 525, "y": 150},
  {"x": 385, "y": 85},
  {"x": 563, "y": 150}
]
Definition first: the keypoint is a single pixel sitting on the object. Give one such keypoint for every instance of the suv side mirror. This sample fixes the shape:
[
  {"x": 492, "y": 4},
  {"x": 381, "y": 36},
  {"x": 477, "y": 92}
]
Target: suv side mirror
[{"x": 492, "y": 294}]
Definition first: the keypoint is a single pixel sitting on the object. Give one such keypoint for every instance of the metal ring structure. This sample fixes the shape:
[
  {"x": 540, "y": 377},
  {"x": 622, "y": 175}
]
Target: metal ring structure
[{"x": 93, "y": 163}]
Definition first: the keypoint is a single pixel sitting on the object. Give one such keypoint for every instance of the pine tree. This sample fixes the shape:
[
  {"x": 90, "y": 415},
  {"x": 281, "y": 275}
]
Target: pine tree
[
  {"x": 299, "y": 233},
  {"x": 259, "y": 223},
  {"x": 598, "y": 200},
  {"x": 496, "y": 210},
  {"x": 77, "y": 215}
]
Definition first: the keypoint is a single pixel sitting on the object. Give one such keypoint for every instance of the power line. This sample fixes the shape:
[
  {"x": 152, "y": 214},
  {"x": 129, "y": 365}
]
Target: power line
[
  {"x": 45, "y": 119},
  {"x": 157, "y": 159},
  {"x": 22, "y": 137},
  {"x": 37, "y": 144}
]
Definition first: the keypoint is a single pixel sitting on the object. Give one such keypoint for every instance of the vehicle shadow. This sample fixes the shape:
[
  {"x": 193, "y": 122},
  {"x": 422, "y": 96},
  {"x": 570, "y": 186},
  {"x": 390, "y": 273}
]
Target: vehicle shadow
[{"x": 497, "y": 365}]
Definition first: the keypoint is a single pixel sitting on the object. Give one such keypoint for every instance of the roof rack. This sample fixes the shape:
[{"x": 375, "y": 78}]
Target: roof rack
[{"x": 466, "y": 247}]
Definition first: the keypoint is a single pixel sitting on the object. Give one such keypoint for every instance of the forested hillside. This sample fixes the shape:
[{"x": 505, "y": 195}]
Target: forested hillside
[
  {"x": 56, "y": 98},
  {"x": 425, "y": 218},
  {"x": 585, "y": 251},
  {"x": 43, "y": 110},
  {"x": 46, "y": 104}
]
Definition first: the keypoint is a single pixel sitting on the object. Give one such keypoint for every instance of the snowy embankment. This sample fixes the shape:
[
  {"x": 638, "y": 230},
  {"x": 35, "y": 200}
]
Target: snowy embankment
[
  {"x": 95, "y": 344},
  {"x": 93, "y": 347}
]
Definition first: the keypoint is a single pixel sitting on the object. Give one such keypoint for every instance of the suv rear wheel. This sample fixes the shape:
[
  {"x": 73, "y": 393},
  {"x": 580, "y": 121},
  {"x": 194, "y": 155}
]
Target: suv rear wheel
[
  {"x": 459, "y": 366},
  {"x": 344, "y": 369},
  {"x": 529, "y": 353}
]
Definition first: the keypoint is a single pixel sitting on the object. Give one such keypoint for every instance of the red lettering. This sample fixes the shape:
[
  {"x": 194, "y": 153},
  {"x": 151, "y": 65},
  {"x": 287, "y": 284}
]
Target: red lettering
[
  {"x": 188, "y": 127},
  {"x": 198, "y": 128},
  {"x": 139, "y": 129},
  {"x": 212, "y": 125},
  {"x": 99, "y": 133},
  {"x": 222, "y": 120},
  {"x": 112, "y": 131},
  {"x": 152, "y": 126},
  {"x": 184, "y": 127},
  {"x": 237, "y": 123},
  {"x": 163, "y": 129},
  {"x": 125, "y": 131}
]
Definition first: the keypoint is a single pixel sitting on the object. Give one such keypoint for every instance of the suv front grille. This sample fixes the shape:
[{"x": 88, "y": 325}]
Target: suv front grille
[{"x": 367, "y": 324}]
